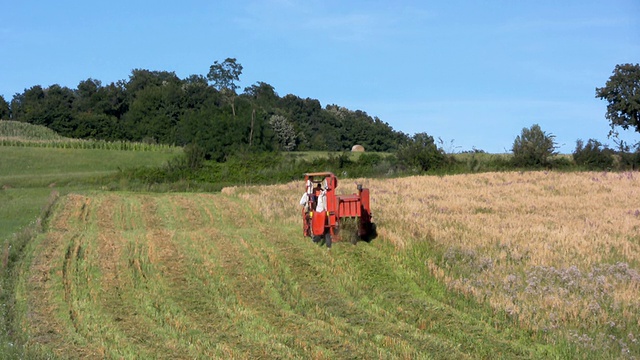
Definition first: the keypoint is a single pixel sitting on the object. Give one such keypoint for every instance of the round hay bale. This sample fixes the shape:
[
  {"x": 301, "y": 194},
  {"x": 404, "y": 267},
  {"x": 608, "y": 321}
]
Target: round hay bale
[{"x": 357, "y": 148}]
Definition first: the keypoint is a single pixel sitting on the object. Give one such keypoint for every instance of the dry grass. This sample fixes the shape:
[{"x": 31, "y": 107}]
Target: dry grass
[
  {"x": 547, "y": 247},
  {"x": 554, "y": 251}
]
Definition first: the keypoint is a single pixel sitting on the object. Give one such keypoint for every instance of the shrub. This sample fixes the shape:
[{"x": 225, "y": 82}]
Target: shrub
[
  {"x": 369, "y": 160},
  {"x": 533, "y": 147},
  {"x": 629, "y": 160},
  {"x": 195, "y": 156},
  {"x": 421, "y": 153},
  {"x": 593, "y": 155}
]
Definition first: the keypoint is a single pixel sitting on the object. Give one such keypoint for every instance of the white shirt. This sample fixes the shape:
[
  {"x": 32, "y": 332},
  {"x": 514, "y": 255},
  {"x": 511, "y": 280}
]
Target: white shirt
[
  {"x": 304, "y": 199},
  {"x": 322, "y": 201}
]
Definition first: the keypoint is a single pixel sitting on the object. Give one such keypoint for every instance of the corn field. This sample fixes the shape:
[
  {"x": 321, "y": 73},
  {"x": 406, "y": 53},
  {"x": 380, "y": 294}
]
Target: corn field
[
  {"x": 26, "y": 131},
  {"x": 15, "y": 133}
]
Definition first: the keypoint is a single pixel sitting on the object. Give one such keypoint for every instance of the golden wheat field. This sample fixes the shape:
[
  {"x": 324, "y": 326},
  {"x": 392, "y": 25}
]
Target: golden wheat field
[{"x": 552, "y": 250}]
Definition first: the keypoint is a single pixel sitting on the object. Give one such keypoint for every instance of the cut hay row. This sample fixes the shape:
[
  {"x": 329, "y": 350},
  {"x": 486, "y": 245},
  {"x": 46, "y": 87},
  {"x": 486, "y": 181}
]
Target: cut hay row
[{"x": 210, "y": 276}]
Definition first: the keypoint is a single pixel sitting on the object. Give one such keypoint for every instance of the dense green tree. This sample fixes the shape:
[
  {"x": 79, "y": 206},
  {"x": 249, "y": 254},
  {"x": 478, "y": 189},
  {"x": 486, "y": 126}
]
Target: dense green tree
[
  {"x": 197, "y": 92},
  {"x": 533, "y": 147},
  {"x": 116, "y": 95},
  {"x": 89, "y": 96},
  {"x": 59, "y": 110},
  {"x": 216, "y": 132},
  {"x": 306, "y": 115},
  {"x": 593, "y": 156},
  {"x": 96, "y": 126},
  {"x": 29, "y": 106},
  {"x": 159, "y": 106},
  {"x": 357, "y": 127},
  {"x": 420, "y": 153},
  {"x": 142, "y": 78},
  {"x": 17, "y": 106},
  {"x": 154, "y": 113},
  {"x": 622, "y": 92},
  {"x": 51, "y": 107},
  {"x": 263, "y": 95},
  {"x": 90, "y": 107},
  {"x": 4, "y": 109}
]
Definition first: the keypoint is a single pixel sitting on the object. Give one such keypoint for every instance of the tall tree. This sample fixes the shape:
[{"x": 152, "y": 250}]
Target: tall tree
[
  {"x": 622, "y": 92},
  {"x": 4, "y": 109},
  {"x": 224, "y": 76},
  {"x": 29, "y": 106},
  {"x": 51, "y": 107},
  {"x": 58, "y": 106}
]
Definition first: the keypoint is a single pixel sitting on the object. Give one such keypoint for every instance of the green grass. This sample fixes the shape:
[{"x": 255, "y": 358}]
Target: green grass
[
  {"x": 205, "y": 277},
  {"x": 38, "y": 167},
  {"x": 19, "y": 207},
  {"x": 29, "y": 174}
]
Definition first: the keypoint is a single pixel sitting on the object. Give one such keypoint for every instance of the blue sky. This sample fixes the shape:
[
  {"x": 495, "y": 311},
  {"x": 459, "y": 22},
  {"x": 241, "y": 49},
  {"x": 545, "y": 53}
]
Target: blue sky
[{"x": 470, "y": 73}]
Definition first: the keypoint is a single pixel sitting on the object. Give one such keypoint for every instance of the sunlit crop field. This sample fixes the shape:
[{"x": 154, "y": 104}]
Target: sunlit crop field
[
  {"x": 557, "y": 252},
  {"x": 499, "y": 265}
]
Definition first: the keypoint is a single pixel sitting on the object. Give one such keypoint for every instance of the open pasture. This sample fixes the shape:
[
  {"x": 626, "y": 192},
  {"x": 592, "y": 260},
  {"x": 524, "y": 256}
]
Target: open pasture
[
  {"x": 498, "y": 265},
  {"x": 29, "y": 174}
]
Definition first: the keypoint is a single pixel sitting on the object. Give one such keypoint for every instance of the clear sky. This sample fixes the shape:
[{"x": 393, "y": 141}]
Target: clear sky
[{"x": 472, "y": 73}]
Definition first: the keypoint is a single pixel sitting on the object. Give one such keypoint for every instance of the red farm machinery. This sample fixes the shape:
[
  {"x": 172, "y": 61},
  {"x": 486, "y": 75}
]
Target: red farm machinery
[{"x": 324, "y": 212}]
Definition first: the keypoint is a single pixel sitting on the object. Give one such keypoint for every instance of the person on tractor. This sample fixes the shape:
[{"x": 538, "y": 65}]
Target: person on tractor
[
  {"x": 315, "y": 198},
  {"x": 321, "y": 198}
]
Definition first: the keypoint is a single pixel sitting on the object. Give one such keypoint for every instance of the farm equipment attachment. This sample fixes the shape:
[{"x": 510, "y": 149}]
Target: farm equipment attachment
[{"x": 324, "y": 212}]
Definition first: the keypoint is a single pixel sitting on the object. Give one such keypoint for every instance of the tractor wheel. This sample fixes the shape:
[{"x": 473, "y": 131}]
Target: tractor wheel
[
  {"x": 327, "y": 239},
  {"x": 371, "y": 234}
]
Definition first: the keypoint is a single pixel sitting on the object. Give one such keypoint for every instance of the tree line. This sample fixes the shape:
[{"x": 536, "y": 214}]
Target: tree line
[
  {"x": 203, "y": 111},
  {"x": 207, "y": 114}
]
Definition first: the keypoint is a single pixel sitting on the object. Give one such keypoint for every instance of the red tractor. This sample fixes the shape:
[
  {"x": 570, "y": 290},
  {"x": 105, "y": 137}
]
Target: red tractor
[{"x": 323, "y": 210}]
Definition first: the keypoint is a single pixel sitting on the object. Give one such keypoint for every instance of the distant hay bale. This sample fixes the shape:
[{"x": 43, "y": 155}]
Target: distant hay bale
[{"x": 357, "y": 148}]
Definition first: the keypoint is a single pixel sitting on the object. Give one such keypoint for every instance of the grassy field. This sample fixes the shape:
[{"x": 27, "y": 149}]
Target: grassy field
[
  {"x": 508, "y": 265},
  {"x": 29, "y": 174},
  {"x": 206, "y": 276}
]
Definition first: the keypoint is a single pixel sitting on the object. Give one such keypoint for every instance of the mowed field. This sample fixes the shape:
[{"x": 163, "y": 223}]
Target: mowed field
[{"x": 496, "y": 265}]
